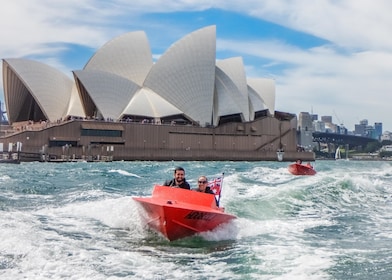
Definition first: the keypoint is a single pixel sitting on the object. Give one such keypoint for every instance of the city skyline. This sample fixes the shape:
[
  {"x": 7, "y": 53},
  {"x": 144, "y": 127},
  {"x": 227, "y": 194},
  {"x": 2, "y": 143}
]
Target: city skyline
[
  {"x": 336, "y": 121},
  {"x": 318, "y": 64}
]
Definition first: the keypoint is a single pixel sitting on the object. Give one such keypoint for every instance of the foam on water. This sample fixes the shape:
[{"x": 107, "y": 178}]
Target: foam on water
[
  {"x": 78, "y": 221},
  {"x": 123, "y": 172}
]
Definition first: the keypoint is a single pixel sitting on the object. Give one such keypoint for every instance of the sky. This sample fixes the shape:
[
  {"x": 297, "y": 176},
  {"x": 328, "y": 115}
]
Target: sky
[{"x": 327, "y": 57}]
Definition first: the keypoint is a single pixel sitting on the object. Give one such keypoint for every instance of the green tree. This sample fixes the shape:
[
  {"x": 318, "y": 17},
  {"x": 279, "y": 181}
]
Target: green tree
[{"x": 372, "y": 147}]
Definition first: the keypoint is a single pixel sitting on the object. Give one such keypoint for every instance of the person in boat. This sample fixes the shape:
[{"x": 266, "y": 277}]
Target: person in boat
[
  {"x": 179, "y": 180},
  {"x": 299, "y": 161},
  {"x": 202, "y": 185}
]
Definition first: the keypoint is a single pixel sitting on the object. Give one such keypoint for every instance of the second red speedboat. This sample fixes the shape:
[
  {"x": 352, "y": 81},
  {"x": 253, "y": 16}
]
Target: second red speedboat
[{"x": 301, "y": 169}]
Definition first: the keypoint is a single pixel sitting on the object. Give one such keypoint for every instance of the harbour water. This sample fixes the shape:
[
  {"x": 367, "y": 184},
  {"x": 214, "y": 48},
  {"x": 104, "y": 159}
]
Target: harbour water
[{"x": 78, "y": 221}]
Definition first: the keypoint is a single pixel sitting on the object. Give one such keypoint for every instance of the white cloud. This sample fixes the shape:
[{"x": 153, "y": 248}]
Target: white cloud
[{"x": 349, "y": 74}]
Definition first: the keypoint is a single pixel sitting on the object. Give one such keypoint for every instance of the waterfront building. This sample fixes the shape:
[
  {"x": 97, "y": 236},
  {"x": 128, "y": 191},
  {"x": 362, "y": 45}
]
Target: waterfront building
[{"x": 386, "y": 136}]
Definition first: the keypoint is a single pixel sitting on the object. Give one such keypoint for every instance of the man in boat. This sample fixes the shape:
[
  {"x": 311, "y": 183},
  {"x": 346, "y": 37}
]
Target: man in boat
[
  {"x": 202, "y": 185},
  {"x": 179, "y": 180}
]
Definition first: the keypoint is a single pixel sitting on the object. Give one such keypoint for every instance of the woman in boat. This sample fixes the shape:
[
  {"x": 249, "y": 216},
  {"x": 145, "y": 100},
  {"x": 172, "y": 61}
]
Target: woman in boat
[
  {"x": 202, "y": 185},
  {"x": 179, "y": 180}
]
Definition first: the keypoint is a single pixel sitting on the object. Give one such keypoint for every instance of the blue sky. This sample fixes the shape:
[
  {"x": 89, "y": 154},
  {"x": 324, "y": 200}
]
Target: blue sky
[{"x": 327, "y": 57}]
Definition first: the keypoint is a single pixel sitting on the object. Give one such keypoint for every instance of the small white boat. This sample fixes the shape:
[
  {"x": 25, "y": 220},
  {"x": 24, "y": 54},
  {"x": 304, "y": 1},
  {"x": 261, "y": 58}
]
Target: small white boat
[{"x": 337, "y": 154}]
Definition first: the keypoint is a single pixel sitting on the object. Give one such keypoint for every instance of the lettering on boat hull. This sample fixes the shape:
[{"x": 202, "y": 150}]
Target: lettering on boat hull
[{"x": 197, "y": 215}]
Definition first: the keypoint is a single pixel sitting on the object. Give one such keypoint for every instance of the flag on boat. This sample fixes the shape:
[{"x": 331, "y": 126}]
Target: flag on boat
[{"x": 216, "y": 185}]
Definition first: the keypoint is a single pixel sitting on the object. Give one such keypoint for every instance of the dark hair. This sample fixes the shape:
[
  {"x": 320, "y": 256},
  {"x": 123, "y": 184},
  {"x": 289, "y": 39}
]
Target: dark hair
[{"x": 179, "y": 168}]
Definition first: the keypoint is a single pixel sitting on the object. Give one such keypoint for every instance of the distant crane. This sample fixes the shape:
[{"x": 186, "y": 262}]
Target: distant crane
[{"x": 336, "y": 115}]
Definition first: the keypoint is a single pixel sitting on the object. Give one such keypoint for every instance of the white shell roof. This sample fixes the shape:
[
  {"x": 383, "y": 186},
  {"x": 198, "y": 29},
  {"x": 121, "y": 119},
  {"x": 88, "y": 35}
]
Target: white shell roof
[
  {"x": 233, "y": 83},
  {"x": 184, "y": 74},
  {"x": 111, "y": 93},
  {"x": 128, "y": 55},
  {"x": 265, "y": 88},
  {"x": 227, "y": 102},
  {"x": 256, "y": 103},
  {"x": 148, "y": 103},
  {"x": 121, "y": 79},
  {"x": 75, "y": 107},
  {"x": 50, "y": 88}
]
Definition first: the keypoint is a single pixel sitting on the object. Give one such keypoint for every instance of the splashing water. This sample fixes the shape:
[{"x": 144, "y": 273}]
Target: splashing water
[{"x": 78, "y": 221}]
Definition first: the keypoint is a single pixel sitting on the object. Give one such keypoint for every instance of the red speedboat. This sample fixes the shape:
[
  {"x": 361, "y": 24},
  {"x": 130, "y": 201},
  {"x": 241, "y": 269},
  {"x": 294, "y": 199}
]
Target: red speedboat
[
  {"x": 301, "y": 169},
  {"x": 178, "y": 213}
]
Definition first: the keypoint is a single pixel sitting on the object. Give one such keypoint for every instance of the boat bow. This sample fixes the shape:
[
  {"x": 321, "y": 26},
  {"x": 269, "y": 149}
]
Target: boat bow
[{"x": 178, "y": 213}]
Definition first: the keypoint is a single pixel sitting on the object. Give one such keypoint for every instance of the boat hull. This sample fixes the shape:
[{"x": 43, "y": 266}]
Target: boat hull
[
  {"x": 301, "y": 169},
  {"x": 177, "y": 213}
]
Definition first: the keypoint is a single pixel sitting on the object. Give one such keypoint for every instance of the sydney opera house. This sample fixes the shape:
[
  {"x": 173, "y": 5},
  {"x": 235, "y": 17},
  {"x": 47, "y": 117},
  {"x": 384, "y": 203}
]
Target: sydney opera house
[{"x": 122, "y": 105}]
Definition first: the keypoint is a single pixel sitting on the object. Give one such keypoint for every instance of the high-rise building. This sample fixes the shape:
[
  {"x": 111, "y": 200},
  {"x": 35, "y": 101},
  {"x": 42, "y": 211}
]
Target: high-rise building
[
  {"x": 314, "y": 117},
  {"x": 319, "y": 126},
  {"x": 305, "y": 130},
  {"x": 326, "y": 119},
  {"x": 378, "y": 128},
  {"x": 360, "y": 130},
  {"x": 305, "y": 121},
  {"x": 364, "y": 122}
]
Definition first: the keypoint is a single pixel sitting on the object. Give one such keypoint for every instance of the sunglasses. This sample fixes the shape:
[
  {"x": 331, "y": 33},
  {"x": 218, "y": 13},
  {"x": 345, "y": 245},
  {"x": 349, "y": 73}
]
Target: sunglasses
[{"x": 202, "y": 182}]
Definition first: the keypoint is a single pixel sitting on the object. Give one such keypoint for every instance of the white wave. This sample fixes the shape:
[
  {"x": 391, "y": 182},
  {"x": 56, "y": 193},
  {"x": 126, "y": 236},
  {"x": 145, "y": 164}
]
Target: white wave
[
  {"x": 227, "y": 231},
  {"x": 4, "y": 177},
  {"x": 123, "y": 172}
]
